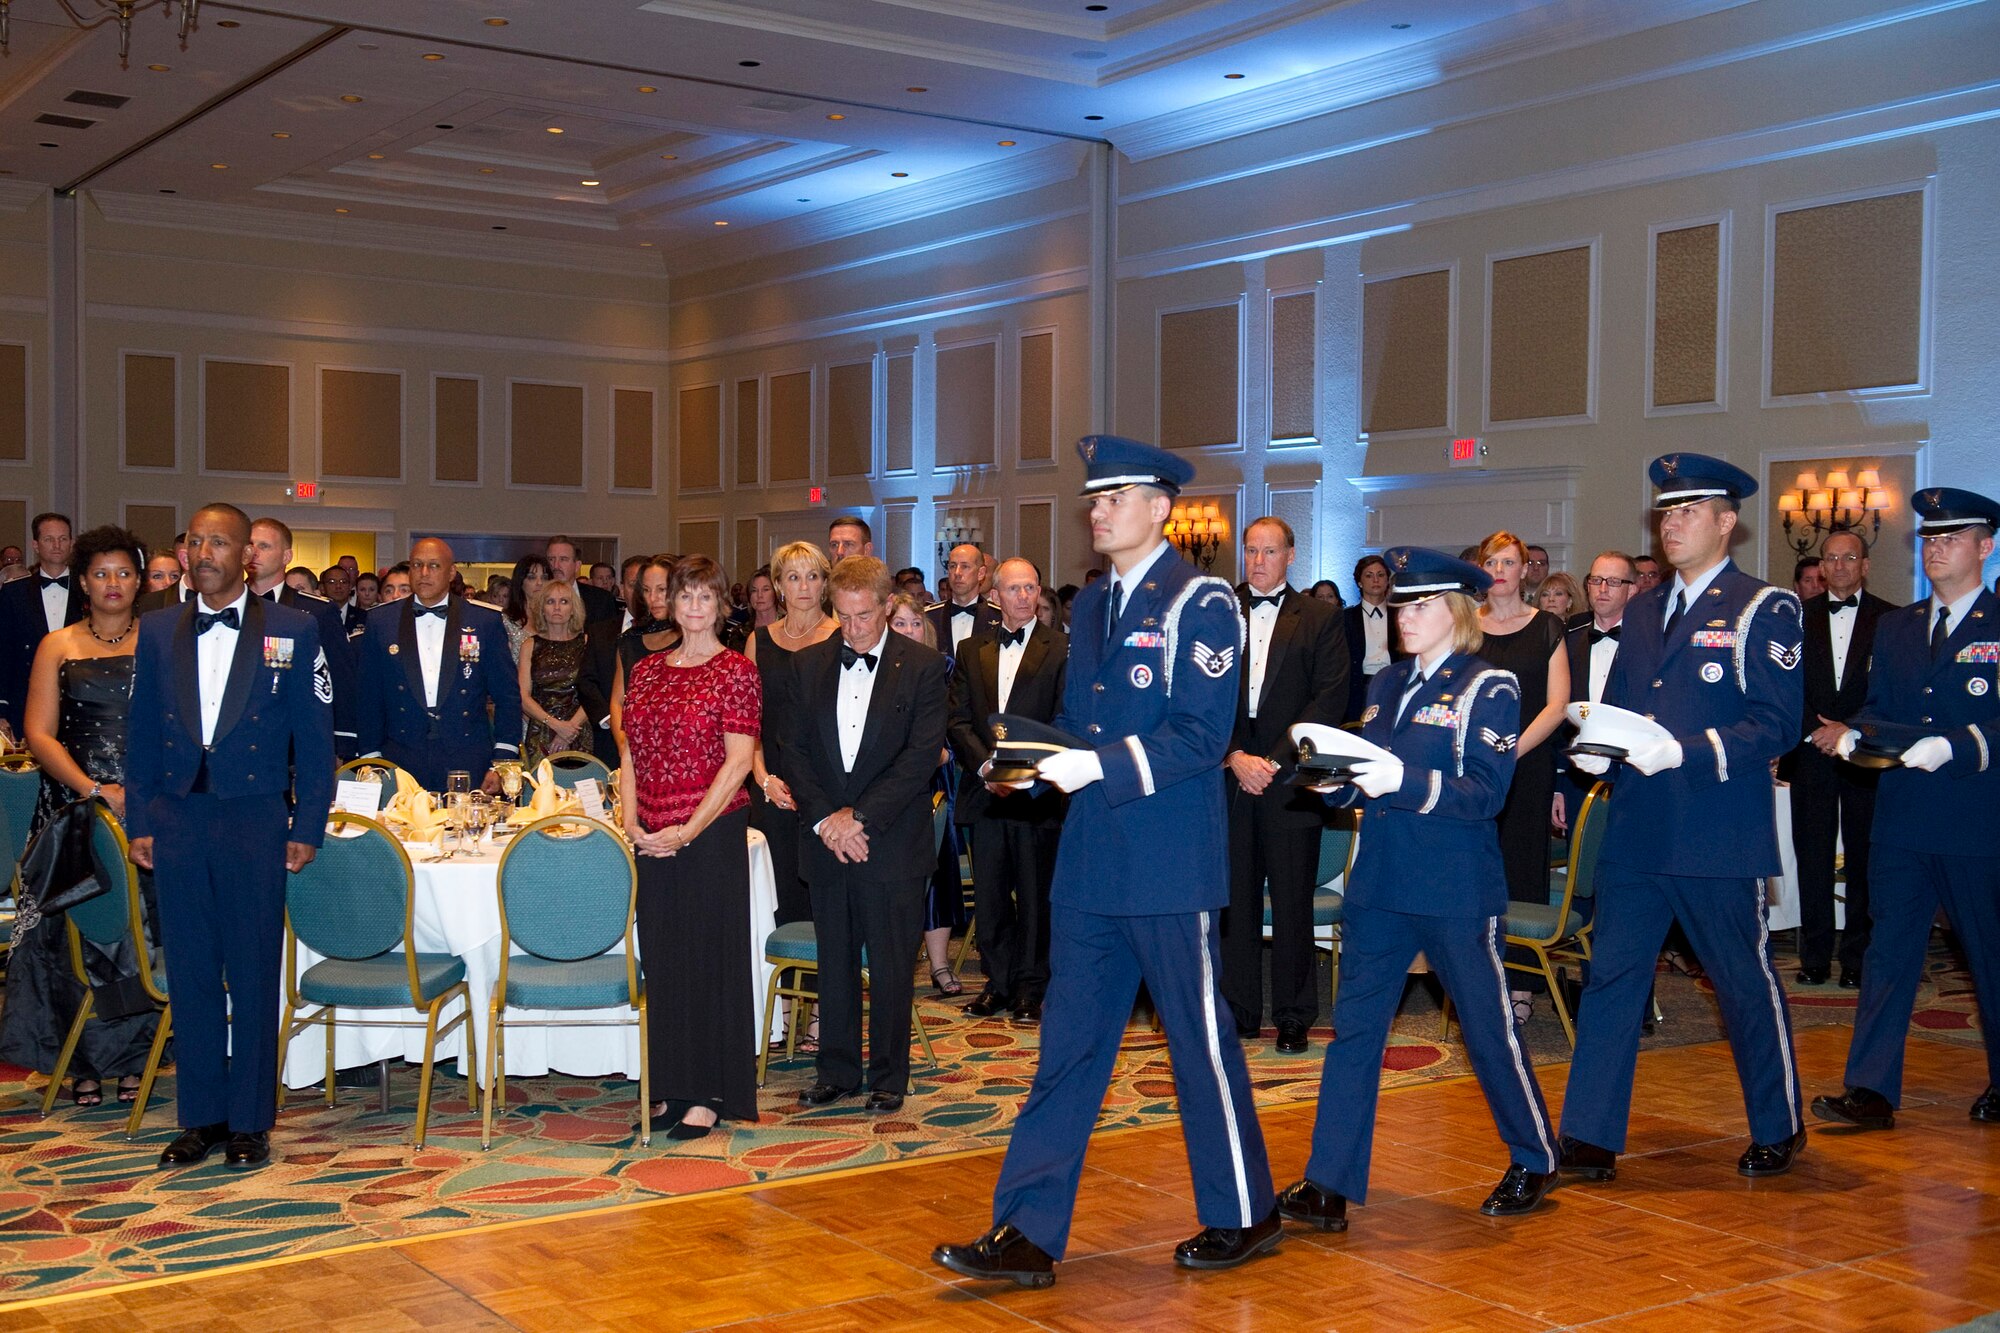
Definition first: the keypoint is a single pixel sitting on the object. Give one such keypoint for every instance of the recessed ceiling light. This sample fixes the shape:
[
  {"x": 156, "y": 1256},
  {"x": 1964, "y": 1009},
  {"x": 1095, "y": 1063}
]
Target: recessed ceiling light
[
  {"x": 1232, "y": 76},
  {"x": 499, "y": 229},
  {"x": 218, "y": 166},
  {"x": 647, "y": 88},
  {"x": 47, "y": 144},
  {"x": 1399, "y": 26},
  {"x": 487, "y": 171},
  {"x": 434, "y": 55},
  {"x": 340, "y": 210},
  {"x": 349, "y": 98},
  {"x": 279, "y": 134},
  {"x": 159, "y": 69},
  {"x": 1006, "y": 143},
  {"x": 494, "y": 23},
  {"x": 720, "y": 223},
  {"x": 899, "y": 174},
  {"x": 645, "y": 245},
  {"x": 555, "y": 129},
  {"x": 590, "y": 182},
  {"x": 228, "y": 23},
  {"x": 749, "y": 64},
  {"x": 1097, "y": 9},
  {"x": 916, "y": 90},
  {"x": 1093, "y": 118},
  {"x": 368, "y": 46},
  {"x": 444, "y": 125},
  {"x": 805, "y": 201},
  {"x": 170, "y": 192},
  {"x": 670, "y": 157},
  {"x": 376, "y": 157},
  {"x": 835, "y": 115}
]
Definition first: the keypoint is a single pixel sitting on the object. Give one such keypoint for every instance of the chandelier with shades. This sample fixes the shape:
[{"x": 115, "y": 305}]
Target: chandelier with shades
[{"x": 88, "y": 14}]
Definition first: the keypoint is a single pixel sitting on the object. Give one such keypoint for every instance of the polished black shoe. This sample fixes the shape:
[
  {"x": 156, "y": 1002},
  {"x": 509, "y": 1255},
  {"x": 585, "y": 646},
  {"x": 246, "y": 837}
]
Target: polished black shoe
[
  {"x": 823, "y": 1094},
  {"x": 1308, "y": 1203},
  {"x": 1226, "y": 1247},
  {"x": 1585, "y": 1161},
  {"x": 1519, "y": 1191},
  {"x": 882, "y": 1103},
  {"x": 1002, "y": 1252},
  {"x": 989, "y": 1003},
  {"x": 1987, "y": 1108},
  {"x": 1291, "y": 1037},
  {"x": 1859, "y": 1107},
  {"x": 1850, "y": 978},
  {"x": 1028, "y": 1013},
  {"x": 191, "y": 1145},
  {"x": 1771, "y": 1159},
  {"x": 248, "y": 1149},
  {"x": 1813, "y": 976}
]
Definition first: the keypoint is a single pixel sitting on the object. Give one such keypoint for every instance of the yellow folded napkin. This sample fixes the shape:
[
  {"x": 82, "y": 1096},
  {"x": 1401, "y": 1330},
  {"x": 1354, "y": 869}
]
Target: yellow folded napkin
[
  {"x": 407, "y": 786},
  {"x": 547, "y": 800},
  {"x": 424, "y": 824}
]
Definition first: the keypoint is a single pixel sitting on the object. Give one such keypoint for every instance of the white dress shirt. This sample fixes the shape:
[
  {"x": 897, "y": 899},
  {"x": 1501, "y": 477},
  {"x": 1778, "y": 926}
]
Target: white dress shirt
[
  {"x": 214, "y": 651},
  {"x": 1010, "y": 663},
  {"x": 1958, "y": 610},
  {"x": 1601, "y": 654},
  {"x": 1840, "y": 628},
  {"x": 55, "y": 598},
  {"x": 857, "y": 687},
  {"x": 1263, "y": 621},
  {"x": 1689, "y": 592},
  {"x": 1375, "y": 628},
  {"x": 961, "y": 625},
  {"x": 430, "y": 650},
  {"x": 1134, "y": 577}
]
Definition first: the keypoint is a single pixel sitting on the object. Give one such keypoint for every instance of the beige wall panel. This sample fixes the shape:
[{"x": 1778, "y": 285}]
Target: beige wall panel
[
  {"x": 965, "y": 404},
  {"x": 1687, "y": 287},
  {"x": 154, "y": 525},
  {"x": 247, "y": 414},
  {"x": 1036, "y": 520},
  {"x": 14, "y": 524},
  {"x": 1199, "y": 379},
  {"x": 791, "y": 426},
  {"x": 455, "y": 424},
  {"x": 360, "y": 424},
  {"x": 894, "y": 545},
  {"x": 545, "y": 436},
  {"x": 700, "y": 536},
  {"x": 1847, "y": 295},
  {"x": 152, "y": 408},
  {"x": 701, "y": 437},
  {"x": 1300, "y": 509},
  {"x": 749, "y": 550},
  {"x": 850, "y": 419},
  {"x": 1406, "y": 353},
  {"x": 899, "y": 410},
  {"x": 1540, "y": 336},
  {"x": 1038, "y": 397},
  {"x": 747, "y": 425},
  {"x": 13, "y": 401},
  {"x": 632, "y": 438},
  {"x": 1293, "y": 377}
]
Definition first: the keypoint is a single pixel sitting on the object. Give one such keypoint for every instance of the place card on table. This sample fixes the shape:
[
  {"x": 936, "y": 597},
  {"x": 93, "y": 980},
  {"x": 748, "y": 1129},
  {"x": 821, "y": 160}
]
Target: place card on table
[
  {"x": 358, "y": 798},
  {"x": 590, "y": 793}
]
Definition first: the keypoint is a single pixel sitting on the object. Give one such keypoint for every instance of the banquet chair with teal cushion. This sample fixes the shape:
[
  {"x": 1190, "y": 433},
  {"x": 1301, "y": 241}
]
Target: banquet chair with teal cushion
[
  {"x": 20, "y": 781},
  {"x": 352, "y": 768},
  {"x": 566, "y": 902},
  {"x": 110, "y": 921},
  {"x": 1339, "y": 840},
  {"x": 571, "y": 767},
  {"x": 354, "y": 904},
  {"x": 792, "y": 950}
]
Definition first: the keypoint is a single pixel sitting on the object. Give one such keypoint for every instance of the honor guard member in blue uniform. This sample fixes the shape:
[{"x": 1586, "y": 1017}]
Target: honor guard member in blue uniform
[
  {"x": 1713, "y": 657},
  {"x": 1934, "y": 704},
  {"x": 1140, "y": 882},
  {"x": 1427, "y": 878},
  {"x": 230, "y": 699},
  {"x": 430, "y": 664}
]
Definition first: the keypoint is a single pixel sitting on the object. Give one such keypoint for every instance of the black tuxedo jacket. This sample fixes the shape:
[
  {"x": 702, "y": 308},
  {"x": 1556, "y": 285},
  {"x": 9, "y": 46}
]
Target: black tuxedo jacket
[
  {"x": 23, "y": 624},
  {"x": 890, "y": 784},
  {"x": 595, "y": 680},
  {"x": 985, "y": 619},
  {"x": 1576, "y": 646},
  {"x": 172, "y": 595},
  {"x": 1357, "y": 648},
  {"x": 599, "y": 604},
  {"x": 975, "y": 697},
  {"x": 1305, "y": 680},
  {"x": 1822, "y": 697}
]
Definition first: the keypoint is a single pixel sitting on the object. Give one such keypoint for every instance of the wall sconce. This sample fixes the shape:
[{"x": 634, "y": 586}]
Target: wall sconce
[
  {"x": 1813, "y": 510},
  {"x": 957, "y": 530},
  {"x": 1197, "y": 530}
]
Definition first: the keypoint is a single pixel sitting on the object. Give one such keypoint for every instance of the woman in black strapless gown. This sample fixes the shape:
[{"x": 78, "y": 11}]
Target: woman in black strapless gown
[{"x": 83, "y": 673}]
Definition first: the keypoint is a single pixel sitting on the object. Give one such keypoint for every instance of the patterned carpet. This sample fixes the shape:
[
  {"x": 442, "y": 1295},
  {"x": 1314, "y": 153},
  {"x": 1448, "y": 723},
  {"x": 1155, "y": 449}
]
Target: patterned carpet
[{"x": 82, "y": 1207}]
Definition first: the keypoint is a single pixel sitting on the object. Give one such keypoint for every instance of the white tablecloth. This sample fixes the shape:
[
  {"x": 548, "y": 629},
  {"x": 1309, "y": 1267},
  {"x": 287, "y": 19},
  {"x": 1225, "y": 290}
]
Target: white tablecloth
[
  {"x": 457, "y": 911},
  {"x": 1781, "y": 891}
]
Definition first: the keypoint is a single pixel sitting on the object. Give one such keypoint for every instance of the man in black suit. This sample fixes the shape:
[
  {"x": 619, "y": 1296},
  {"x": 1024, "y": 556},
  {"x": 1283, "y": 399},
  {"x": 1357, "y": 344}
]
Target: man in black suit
[
  {"x": 964, "y": 610},
  {"x": 31, "y": 608},
  {"x": 1830, "y": 797},
  {"x": 1020, "y": 668},
  {"x": 1295, "y": 670},
  {"x": 871, "y": 706},
  {"x": 1592, "y": 643},
  {"x": 336, "y": 585},
  {"x": 598, "y": 604},
  {"x": 267, "y": 558},
  {"x": 1373, "y": 641}
]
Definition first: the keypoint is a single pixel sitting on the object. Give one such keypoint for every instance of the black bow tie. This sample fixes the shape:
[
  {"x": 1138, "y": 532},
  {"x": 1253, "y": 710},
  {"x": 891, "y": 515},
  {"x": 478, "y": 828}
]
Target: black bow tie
[
  {"x": 1013, "y": 638},
  {"x": 204, "y": 622},
  {"x": 59, "y": 581},
  {"x": 423, "y": 610},
  {"x": 1597, "y": 634},
  {"x": 1275, "y": 599},
  {"x": 958, "y": 610},
  {"x": 848, "y": 657},
  {"x": 1843, "y": 603}
]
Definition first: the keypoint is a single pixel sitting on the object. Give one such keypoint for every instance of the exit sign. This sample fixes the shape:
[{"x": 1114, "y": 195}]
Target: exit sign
[
  {"x": 304, "y": 492},
  {"x": 1468, "y": 452},
  {"x": 815, "y": 495}
]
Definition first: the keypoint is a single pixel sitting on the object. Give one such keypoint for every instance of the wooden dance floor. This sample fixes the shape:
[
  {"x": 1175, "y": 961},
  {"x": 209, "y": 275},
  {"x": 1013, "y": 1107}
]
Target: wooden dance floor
[{"x": 1897, "y": 1230}]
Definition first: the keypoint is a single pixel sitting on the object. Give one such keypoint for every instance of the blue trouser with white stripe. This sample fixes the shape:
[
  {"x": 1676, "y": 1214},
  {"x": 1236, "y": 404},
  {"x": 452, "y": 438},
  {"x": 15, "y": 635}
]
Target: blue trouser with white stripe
[
  {"x": 1376, "y": 949},
  {"x": 1095, "y": 966},
  {"x": 1724, "y": 920}
]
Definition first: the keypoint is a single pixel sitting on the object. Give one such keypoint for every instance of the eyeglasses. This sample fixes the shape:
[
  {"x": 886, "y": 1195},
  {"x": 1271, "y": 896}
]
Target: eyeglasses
[
  {"x": 1594, "y": 581},
  {"x": 1842, "y": 559}
]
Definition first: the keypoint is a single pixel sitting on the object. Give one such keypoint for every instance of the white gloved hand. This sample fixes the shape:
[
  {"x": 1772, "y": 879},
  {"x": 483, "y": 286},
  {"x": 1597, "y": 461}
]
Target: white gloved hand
[
  {"x": 1656, "y": 756},
  {"x": 1597, "y": 765},
  {"x": 1844, "y": 747},
  {"x": 1379, "y": 777},
  {"x": 1072, "y": 770},
  {"x": 1930, "y": 754}
]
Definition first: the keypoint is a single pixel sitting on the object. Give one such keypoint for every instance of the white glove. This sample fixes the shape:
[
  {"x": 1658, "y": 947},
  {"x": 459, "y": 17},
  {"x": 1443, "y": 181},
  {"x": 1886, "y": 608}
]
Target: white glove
[
  {"x": 1072, "y": 770},
  {"x": 1379, "y": 777},
  {"x": 1656, "y": 756},
  {"x": 1844, "y": 747},
  {"x": 1930, "y": 754},
  {"x": 1597, "y": 765}
]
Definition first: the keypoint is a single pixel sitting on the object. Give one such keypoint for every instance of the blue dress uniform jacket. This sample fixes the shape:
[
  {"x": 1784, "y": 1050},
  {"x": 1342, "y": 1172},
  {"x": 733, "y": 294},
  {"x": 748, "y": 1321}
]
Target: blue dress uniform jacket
[
  {"x": 1932, "y": 843},
  {"x": 474, "y": 669},
  {"x": 339, "y": 663}
]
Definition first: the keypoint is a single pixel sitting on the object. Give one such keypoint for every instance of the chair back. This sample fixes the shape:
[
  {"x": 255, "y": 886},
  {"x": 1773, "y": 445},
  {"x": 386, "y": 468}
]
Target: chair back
[
  {"x": 573, "y": 766},
  {"x": 121, "y": 909},
  {"x": 1586, "y": 839},
  {"x": 940, "y": 815},
  {"x": 567, "y": 898},
  {"x": 353, "y": 900},
  {"x": 20, "y": 782},
  {"x": 1339, "y": 839}
]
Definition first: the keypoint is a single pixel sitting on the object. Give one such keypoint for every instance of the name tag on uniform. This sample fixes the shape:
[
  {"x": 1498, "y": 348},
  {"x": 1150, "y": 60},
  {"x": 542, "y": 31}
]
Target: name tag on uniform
[
  {"x": 1145, "y": 639},
  {"x": 1714, "y": 638},
  {"x": 1979, "y": 652},
  {"x": 1435, "y": 715}
]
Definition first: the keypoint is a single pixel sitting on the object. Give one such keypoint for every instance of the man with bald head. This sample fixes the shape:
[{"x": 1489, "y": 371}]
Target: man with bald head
[
  {"x": 430, "y": 665},
  {"x": 963, "y": 611}
]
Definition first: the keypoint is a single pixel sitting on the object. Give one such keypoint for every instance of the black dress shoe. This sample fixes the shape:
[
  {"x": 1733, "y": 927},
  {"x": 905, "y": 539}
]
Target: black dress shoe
[
  {"x": 1308, "y": 1203},
  {"x": 823, "y": 1094},
  {"x": 1002, "y": 1252},
  {"x": 1585, "y": 1161},
  {"x": 1028, "y": 1013},
  {"x": 1813, "y": 976},
  {"x": 882, "y": 1103},
  {"x": 1850, "y": 978},
  {"x": 191, "y": 1145},
  {"x": 1291, "y": 1037},
  {"x": 1226, "y": 1247},
  {"x": 1770, "y": 1159},
  {"x": 683, "y": 1132},
  {"x": 1860, "y": 1107},
  {"x": 1519, "y": 1191},
  {"x": 1987, "y": 1108},
  {"x": 248, "y": 1149},
  {"x": 989, "y": 1003}
]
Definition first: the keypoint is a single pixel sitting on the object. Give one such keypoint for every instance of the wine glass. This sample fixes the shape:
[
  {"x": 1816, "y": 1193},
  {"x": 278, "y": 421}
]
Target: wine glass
[{"x": 510, "y": 779}]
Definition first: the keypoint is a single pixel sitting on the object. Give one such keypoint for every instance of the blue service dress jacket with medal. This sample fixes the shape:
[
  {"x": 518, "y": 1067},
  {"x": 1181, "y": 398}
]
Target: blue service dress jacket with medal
[
  {"x": 473, "y": 668},
  {"x": 1956, "y": 696},
  {"x": 1158, "y": 705},
  {"x": 1457, "y": 741},
  {"x": 1729, "y": 688}
]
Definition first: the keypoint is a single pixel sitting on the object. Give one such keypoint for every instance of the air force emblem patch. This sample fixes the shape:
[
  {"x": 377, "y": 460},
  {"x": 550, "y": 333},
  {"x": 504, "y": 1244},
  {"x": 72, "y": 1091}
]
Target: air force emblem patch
[
  {"x": 1786, "y": 658},
  {"x": 1213, "y": 662},
  {"x": 1500, "y": 743},
  {"x": 322, "y": 679}
]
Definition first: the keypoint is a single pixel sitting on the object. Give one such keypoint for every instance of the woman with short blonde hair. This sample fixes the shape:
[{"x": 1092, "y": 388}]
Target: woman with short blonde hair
[
  {"x": 1561, "y": 596},
  {"x": 547, "y": 669}
]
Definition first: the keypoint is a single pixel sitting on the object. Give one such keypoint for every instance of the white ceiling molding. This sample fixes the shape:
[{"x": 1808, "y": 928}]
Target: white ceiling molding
[
  {"x": 736, "y": 189},
  {"x": 335, "y": 192},
  {"x": 1172, "y": 53},
  {"x": 20, "y": 196},
  {"x": 367, "y": 233}
]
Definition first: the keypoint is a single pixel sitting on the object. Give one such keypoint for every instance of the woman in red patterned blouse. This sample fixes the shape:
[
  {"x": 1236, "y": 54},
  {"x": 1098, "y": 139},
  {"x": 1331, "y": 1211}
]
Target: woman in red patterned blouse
[{"x": 691, "y": 717}]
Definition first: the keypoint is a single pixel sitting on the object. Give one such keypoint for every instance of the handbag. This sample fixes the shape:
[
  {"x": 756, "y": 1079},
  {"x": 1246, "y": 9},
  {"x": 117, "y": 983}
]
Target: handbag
[{"x": 58, "y": 870}]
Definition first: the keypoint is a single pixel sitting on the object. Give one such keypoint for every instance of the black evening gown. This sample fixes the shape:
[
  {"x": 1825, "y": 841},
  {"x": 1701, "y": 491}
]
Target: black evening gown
[
  {"x": 42, "y": 994},
  {"x": 1524, "y": 820},
  {"x": 779, "y": 827}
]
